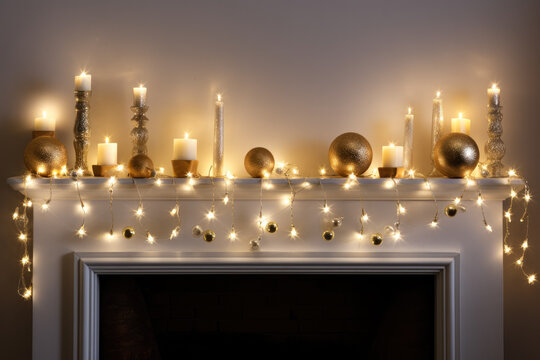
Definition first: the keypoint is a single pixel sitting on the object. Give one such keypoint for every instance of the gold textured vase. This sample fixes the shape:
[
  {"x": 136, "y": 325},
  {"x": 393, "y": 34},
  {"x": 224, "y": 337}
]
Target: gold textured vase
[{"x": 350, "y": 153}]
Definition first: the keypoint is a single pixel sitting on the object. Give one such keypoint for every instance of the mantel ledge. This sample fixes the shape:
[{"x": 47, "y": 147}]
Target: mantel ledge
[{"x": 96, "y": 188}]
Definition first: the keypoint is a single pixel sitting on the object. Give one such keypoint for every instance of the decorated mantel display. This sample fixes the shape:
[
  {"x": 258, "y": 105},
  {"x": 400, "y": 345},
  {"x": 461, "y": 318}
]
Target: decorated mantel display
[{"x": 454, "y": 155}]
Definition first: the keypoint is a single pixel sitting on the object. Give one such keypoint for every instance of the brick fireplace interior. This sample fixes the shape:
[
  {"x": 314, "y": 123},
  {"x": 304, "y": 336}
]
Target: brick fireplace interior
[{"x": 204, "y": 316}]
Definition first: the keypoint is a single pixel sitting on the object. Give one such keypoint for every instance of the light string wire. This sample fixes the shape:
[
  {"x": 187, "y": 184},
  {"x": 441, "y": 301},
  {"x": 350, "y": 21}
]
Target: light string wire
[
  {"x": 24, "y": 286},
  {"x": 396, "y": 233},
  {"x": 232, "y": 234},
  {"x": 81, "y": 232},
  {"x": 211, "y": 215},
  {"x": 293, "y": 232},
  {"x": 111, "y": 182},
  {"x": 175, "y": 212},
  {"x": 435, "y": 222},
  {"x": 363, "y": 215},
  {"x": 139, "y": 213}
]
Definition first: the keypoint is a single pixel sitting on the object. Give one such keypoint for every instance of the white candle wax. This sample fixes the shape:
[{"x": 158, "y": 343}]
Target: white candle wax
[
  {"x": 217, "y": 166},
  {"x": 185, "y": 149},
  {"x": 461, "y": 124},
  {"x": 139, "y": 96},
  {"x": 83, "y": 82},
  {"x": 494, "y": 95},
  {"x": 392, "y": 156},
  {"x": 44, "y": 123},
  {"x": 408, "y": 140},
  {"x": 107, "y": 153}
]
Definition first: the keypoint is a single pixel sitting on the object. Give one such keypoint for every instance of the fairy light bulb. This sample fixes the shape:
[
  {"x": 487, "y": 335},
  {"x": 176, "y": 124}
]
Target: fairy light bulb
[
  {"x": 507, "y": 249},
  {"x": 508, "y": 215},
  {"x": 158, "y": 181},
  {"x": 266, "y": 174},
  {"x": 295, "y": 171},
  {"x": 519, "y": 261},
  {"x": 174, "y": 233},
  {"x": 479, "y": 200},
  {"x": 531, "y": 278},
  {"x": 470, "y": 183},
  {"x": 306, "y": 184},
  {"x": 293, "y": 232},
  {"x": 389, "y": 184},
  {"x": 489, "y": 228},
  {"x": 28, "y": 179},
  {"x": 112, "y": 180},
  {"x": 347, "y": 185},
  {"x": 322, "y": 171},
  {"x": 63, "y": 170},
  {"x": 139, "y": 212},
  {"x": 150, "y": 238},
  {"x": 23, "y": 237},
  {"x": 25, "y": 260},
  {"x": 233, "y": 235},
  {"x": 45, "y": 206},
  {"x": 120, "y": 167},
  {"x": 80, "y": 172},
  {"x": 27, "y": 293},
  {"x": 457, "y": 201},
  {"x": 360, "y": 236},
  {"x": 162, "y": 170},
  {"x": 512, "y": 173},
  {"x": 427, "y": 185},
  {"x": 226, "y": 199},
  {"x": 365, "y": 217},
  {"x": 326, "y": 208},
  {"x": 513, "y": 193},
  {"x": 211, "y": 215},
  {"x": 434, "y": 224},
  {"x": 402, "y": 209},
  {"x": 287, "y": 200},
  {"x": 411, "y": 173},
  {"x": 268, "y": 185},
  {"x": 527, "y": 197},
  {"x": 174, "y": 211},
  {"x": 27, "y": 203},
  {"x": 81, "y": 232},
  {"x": 15, "y": 215},
  {"x": 525, "y": 244},
  {"x": 397, "y": 235}
]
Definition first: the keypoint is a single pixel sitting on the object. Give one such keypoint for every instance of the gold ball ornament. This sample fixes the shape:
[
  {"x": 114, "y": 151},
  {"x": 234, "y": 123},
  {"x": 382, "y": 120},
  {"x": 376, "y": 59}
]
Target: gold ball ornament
[
  {"x": 271, "y": 227},
  {"x": 197, "y": 231},
  {"x": 128, "y": 232},
  {"x": 450, "y": 210},
  {"x": 456, "y": 155},
  {"x": 328, "y": 235},
  {"x": 45, "y": 155},
  {"x": 350, "y": 153},
  {"x": 376, "y": 239},
  {"x": 209, "y": 235},
  {"x": 259, "y": 162},
  {"x": 141, "y": 166}
]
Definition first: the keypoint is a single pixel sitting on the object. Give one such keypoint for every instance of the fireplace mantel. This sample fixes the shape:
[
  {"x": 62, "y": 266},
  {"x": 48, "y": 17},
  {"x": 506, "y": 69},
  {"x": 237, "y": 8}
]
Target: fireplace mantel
[{"x": 58, "y": 278}]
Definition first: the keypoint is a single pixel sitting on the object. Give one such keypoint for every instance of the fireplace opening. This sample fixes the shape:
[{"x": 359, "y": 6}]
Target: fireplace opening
[{"x": 277, "y": 316}]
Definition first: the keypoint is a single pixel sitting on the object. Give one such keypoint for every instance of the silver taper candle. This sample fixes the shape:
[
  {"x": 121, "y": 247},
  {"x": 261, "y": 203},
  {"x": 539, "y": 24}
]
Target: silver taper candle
[
  {"x": 217, "y": 167},
  {"x": 408, "y": 141},
  {"x": 437, "y": 119}
]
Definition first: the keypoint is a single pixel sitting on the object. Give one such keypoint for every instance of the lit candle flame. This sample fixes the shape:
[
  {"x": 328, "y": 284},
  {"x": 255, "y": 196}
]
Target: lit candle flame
[
  {"x": 83, "y": 73},
  {"x": 494, "y": 86},
  {"x": 107, "y": 139},
  {"x": 460, "y": 115},
  {"x": 44, "y": 114},
  {"x": 391, "y": 144},
  {"x": 218, "y": 97},
  {"x": 410, "y": 110},
  {"x": 186, "y": 135},
  {"x": 438, "y": 94}
]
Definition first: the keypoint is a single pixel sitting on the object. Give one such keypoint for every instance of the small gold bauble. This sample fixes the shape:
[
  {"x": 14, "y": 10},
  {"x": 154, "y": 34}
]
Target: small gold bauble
[
  {"x": 336, "y": 222},
  {"x": 350, "y": 153},
  {"x": 450, "y": 210},
  {"x": 45, "y": 155},
  {"x": 209, "y": 236},
  {"x": 328, "y": 235},
  {"x": 259, "y": 162},
  {"x": 456, "y": 155},
  {"x": 376, "y": 239},
  {"x": 196, "y": 231},
  {"x": 128, "y": 232},
  {"x": 140, "y": 166},
  {"x": 271, "y": 227},
  {"x": 255, "y": 244}
]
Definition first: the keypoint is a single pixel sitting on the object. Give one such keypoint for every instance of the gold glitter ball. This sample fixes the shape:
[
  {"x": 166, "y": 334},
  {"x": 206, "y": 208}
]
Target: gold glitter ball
[
  {"x": 259, "y": 162},
  {"x": 456, "y": 155},
  {"x": 45, "y": 155},
  {"x": 141, "y": 166},
  {"x": 350, "y": 153},
  {"x": 209, "y": 235},
  {"x": 328, "y": 235},
  {"x": 271, "y": 227},
  {"x": 450, "y": 210}
]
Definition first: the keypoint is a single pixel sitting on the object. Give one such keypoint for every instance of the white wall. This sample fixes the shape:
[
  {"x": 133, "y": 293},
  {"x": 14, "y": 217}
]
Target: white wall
[{"x": 295, "y": 74}]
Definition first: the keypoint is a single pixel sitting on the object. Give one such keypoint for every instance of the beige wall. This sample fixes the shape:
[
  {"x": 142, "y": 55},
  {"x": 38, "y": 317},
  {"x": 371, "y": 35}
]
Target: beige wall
[{"x": 295, "y": 74}]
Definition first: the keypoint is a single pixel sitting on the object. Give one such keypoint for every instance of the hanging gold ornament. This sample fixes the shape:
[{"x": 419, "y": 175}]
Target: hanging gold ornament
[
  {"x": 336, "y": 222},
  {"x": 255, "y": 244},
  {"x": 450, "y": 210},
  {"x": 128, "y": 232},
  {"x": 328, "y": 235},
  {"x": 376, "y": 239},
  {"x": 259, "y": 162},
  {"x": 350, "y": 153},
  {"x": 271, "y": 227},
  {"x": 196, "y": 231},
  {"x": 209, "y": 236},
  {"x": 456, "y": 155},
  {"x": 141, "y": 166},
  {"x": 45, "y": 155}
]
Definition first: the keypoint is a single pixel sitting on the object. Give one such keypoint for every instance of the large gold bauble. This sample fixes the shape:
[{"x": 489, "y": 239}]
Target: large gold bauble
[
  {"x": 456, "y": 155},
  {"x": 259, "y": 162},
  {"x": 350, "y": 153},
  {"x": 45, "y": 155},
  {"x": 209, "y": 236},
  {"x": 271, "y": 227},
  {"x": 328, "y": 235},
  {"x": 140, "y": 166},
  {"x": 376, "y": 239}
]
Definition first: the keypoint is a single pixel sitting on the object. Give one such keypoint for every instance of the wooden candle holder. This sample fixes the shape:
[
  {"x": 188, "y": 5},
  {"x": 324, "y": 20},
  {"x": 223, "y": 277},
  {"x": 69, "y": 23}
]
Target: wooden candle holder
[
  {"x": 387, "y": 172},
  {"x": 104, "y": 170},
  {"x": 182, "y": 167}
]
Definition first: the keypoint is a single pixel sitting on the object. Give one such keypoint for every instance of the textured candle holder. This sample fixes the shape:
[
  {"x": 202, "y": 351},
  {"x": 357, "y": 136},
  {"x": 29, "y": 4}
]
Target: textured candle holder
[
  {"x": 218, "y": 153},
  {"x": 388, "y": 172},
  {"x": 81, "y": 131},
  {"x": 495, "y": 148},
  {"x": 436, "y": 126},
  {"x": 182, "y": 167},
  {"x": 38, "y": 133},
  {"x": 139, "y": 134},
  {"x": 104, "y": 170}
]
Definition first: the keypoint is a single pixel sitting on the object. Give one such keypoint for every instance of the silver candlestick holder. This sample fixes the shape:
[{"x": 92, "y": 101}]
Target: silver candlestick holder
[
  {"x": 139, "y": 134},
  {"x": 81, "y": 131},
  {"x": 495, "y": 148}
]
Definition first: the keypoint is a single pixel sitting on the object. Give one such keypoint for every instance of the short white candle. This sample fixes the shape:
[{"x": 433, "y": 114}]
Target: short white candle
[
  {"x": 392, "y": 156},
  {"x": 461, "y": 124},
  {"x": 107, "y": 153},
  {"x": 44, "y": 123},
  {"x": 139, "y": 95},
  {"x": 83, "y": 82},
  {"x": 494, "y": 95},
  {"x": 185, "y": 149}
]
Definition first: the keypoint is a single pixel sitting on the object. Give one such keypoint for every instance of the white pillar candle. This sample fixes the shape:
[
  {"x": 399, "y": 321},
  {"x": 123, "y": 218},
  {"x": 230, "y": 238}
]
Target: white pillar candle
[
  {"x": 107, "y": 153},
  {"x": 139, "y": 95},
  {"x": 392, "y": 156},
  {"x": 185, "y": 149},
  {"x": 461, "y": 124},
  {"x": 494, "y": 95},
  {"x": 83, "y": 82},
  {"x": 44, "y": 123},
  {"x": 408, "y": 140}
]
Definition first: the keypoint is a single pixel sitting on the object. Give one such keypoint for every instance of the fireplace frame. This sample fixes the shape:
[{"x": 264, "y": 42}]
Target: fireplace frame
[{"x": 88, "y": 266}]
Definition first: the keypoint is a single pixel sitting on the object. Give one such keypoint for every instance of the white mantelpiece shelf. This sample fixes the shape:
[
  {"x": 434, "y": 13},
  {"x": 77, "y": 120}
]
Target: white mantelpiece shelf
[{"x": 249, "y": 189}]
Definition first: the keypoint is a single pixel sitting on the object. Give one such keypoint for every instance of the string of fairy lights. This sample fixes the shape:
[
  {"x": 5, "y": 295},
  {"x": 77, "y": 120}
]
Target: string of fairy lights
[{"x": 287, "y": 172}]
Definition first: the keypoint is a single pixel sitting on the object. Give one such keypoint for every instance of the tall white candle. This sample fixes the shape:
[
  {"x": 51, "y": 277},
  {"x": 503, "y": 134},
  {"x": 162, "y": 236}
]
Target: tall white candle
[
  {"x": 461, "y": 124},
  {"x": 185, "y": 149},
  {"x": 408, "y": 140},
  {"x": 83, "y": 82},
  {"x": 139, "y": 95},
  {"x": 218, "y": 138},
  {"x": 494, "y": 94},
  {"x": 392, "y": 156},
  {"x": 44, "y": 123},
  {"x": 107, "y": 153}
]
